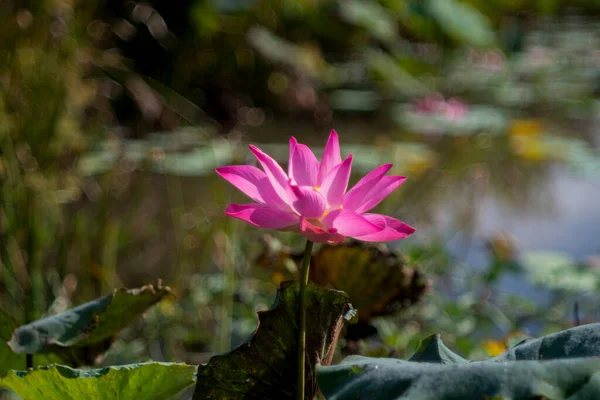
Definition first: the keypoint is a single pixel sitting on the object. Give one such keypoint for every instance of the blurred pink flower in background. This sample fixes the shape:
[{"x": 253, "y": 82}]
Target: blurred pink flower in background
[
  {"x": 452, "y": 109},
  {"x": 312, "y": 199}
]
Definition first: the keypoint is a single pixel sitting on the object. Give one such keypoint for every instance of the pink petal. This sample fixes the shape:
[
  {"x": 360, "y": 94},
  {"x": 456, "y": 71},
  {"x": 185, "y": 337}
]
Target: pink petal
[
  {"x": 276, "y": 176},
  {"x": 319, "y": 235},
  {"x": 358, "y": 194},
  {"x": 393, "y": 229},
  {"x": 304, "y": 166},
  {"x": 268, "y": 193},
  {"x": 331, "y": 157},
  {"x": 262, "y": 215},
  {"x": 244, "y": 177},
  {"x": 335, "y": 184},
  {"x": 380, "y": 191},
  {"x": 293, "y": 143},
  {"x": 308, "y": 202},
  {"x": 349, "y": 223}
]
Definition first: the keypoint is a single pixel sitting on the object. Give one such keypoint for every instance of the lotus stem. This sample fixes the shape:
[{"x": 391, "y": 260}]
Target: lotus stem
[{"x": 302, "y": 324}]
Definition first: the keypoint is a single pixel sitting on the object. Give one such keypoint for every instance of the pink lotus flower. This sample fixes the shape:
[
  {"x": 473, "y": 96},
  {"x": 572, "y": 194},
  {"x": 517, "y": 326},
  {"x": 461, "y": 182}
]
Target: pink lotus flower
[
  {"x": 312, "y": 199},
  {"x": 452, "y": 109}
]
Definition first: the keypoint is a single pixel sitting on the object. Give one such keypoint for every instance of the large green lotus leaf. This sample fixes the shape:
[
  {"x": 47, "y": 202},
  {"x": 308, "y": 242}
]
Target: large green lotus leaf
[
  {"x": 433, "y": 350},
  {"x": 390, "y": 379},
  {"x": 265, "y": 366},
  {"x": 581, "y": 341},
  {"x": 79, "y": 334},
  {"x": 148, "y": 381},
  {"x": 8, "y": 358}
]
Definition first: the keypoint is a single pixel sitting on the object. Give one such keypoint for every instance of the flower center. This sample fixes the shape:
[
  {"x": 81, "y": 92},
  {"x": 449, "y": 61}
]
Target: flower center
[{"x": 327, "y": 211}]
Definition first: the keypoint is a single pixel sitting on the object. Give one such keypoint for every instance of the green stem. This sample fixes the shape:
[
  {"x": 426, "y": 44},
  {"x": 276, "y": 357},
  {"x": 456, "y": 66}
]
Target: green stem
[{"x": 302, "y": 330}]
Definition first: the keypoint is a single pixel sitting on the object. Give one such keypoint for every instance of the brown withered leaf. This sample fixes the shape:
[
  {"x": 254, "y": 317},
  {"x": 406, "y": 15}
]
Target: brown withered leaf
[{"x": 378, "y": 281}]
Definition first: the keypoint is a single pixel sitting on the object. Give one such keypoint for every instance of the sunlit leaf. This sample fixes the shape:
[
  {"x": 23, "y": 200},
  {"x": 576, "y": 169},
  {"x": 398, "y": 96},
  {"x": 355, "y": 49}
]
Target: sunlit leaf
[
  {"x": 152, "y": 381},
  {"x": 265, "y": 366}
]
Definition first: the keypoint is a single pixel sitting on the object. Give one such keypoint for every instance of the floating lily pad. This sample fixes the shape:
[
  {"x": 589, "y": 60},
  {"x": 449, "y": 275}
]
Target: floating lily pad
[
  {"x": 198, "y": 162},
  {"x": 559, "y": 271},
  {"x": 265, "y": 366},
  {"x": 148, "y": 381},
  {"x": 477, "y": 119},
  {"x": 187, "y": 152}
]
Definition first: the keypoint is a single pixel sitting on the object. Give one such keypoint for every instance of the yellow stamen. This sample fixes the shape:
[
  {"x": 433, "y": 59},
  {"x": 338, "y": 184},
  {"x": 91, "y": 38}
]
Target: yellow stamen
[{"x": 316, "y": 188}]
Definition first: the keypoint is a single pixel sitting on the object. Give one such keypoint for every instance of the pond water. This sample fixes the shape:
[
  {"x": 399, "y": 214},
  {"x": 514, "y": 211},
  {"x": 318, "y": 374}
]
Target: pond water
[
  {"x": 538, "y": 187},
  {"x": 572, "y": 227}
]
